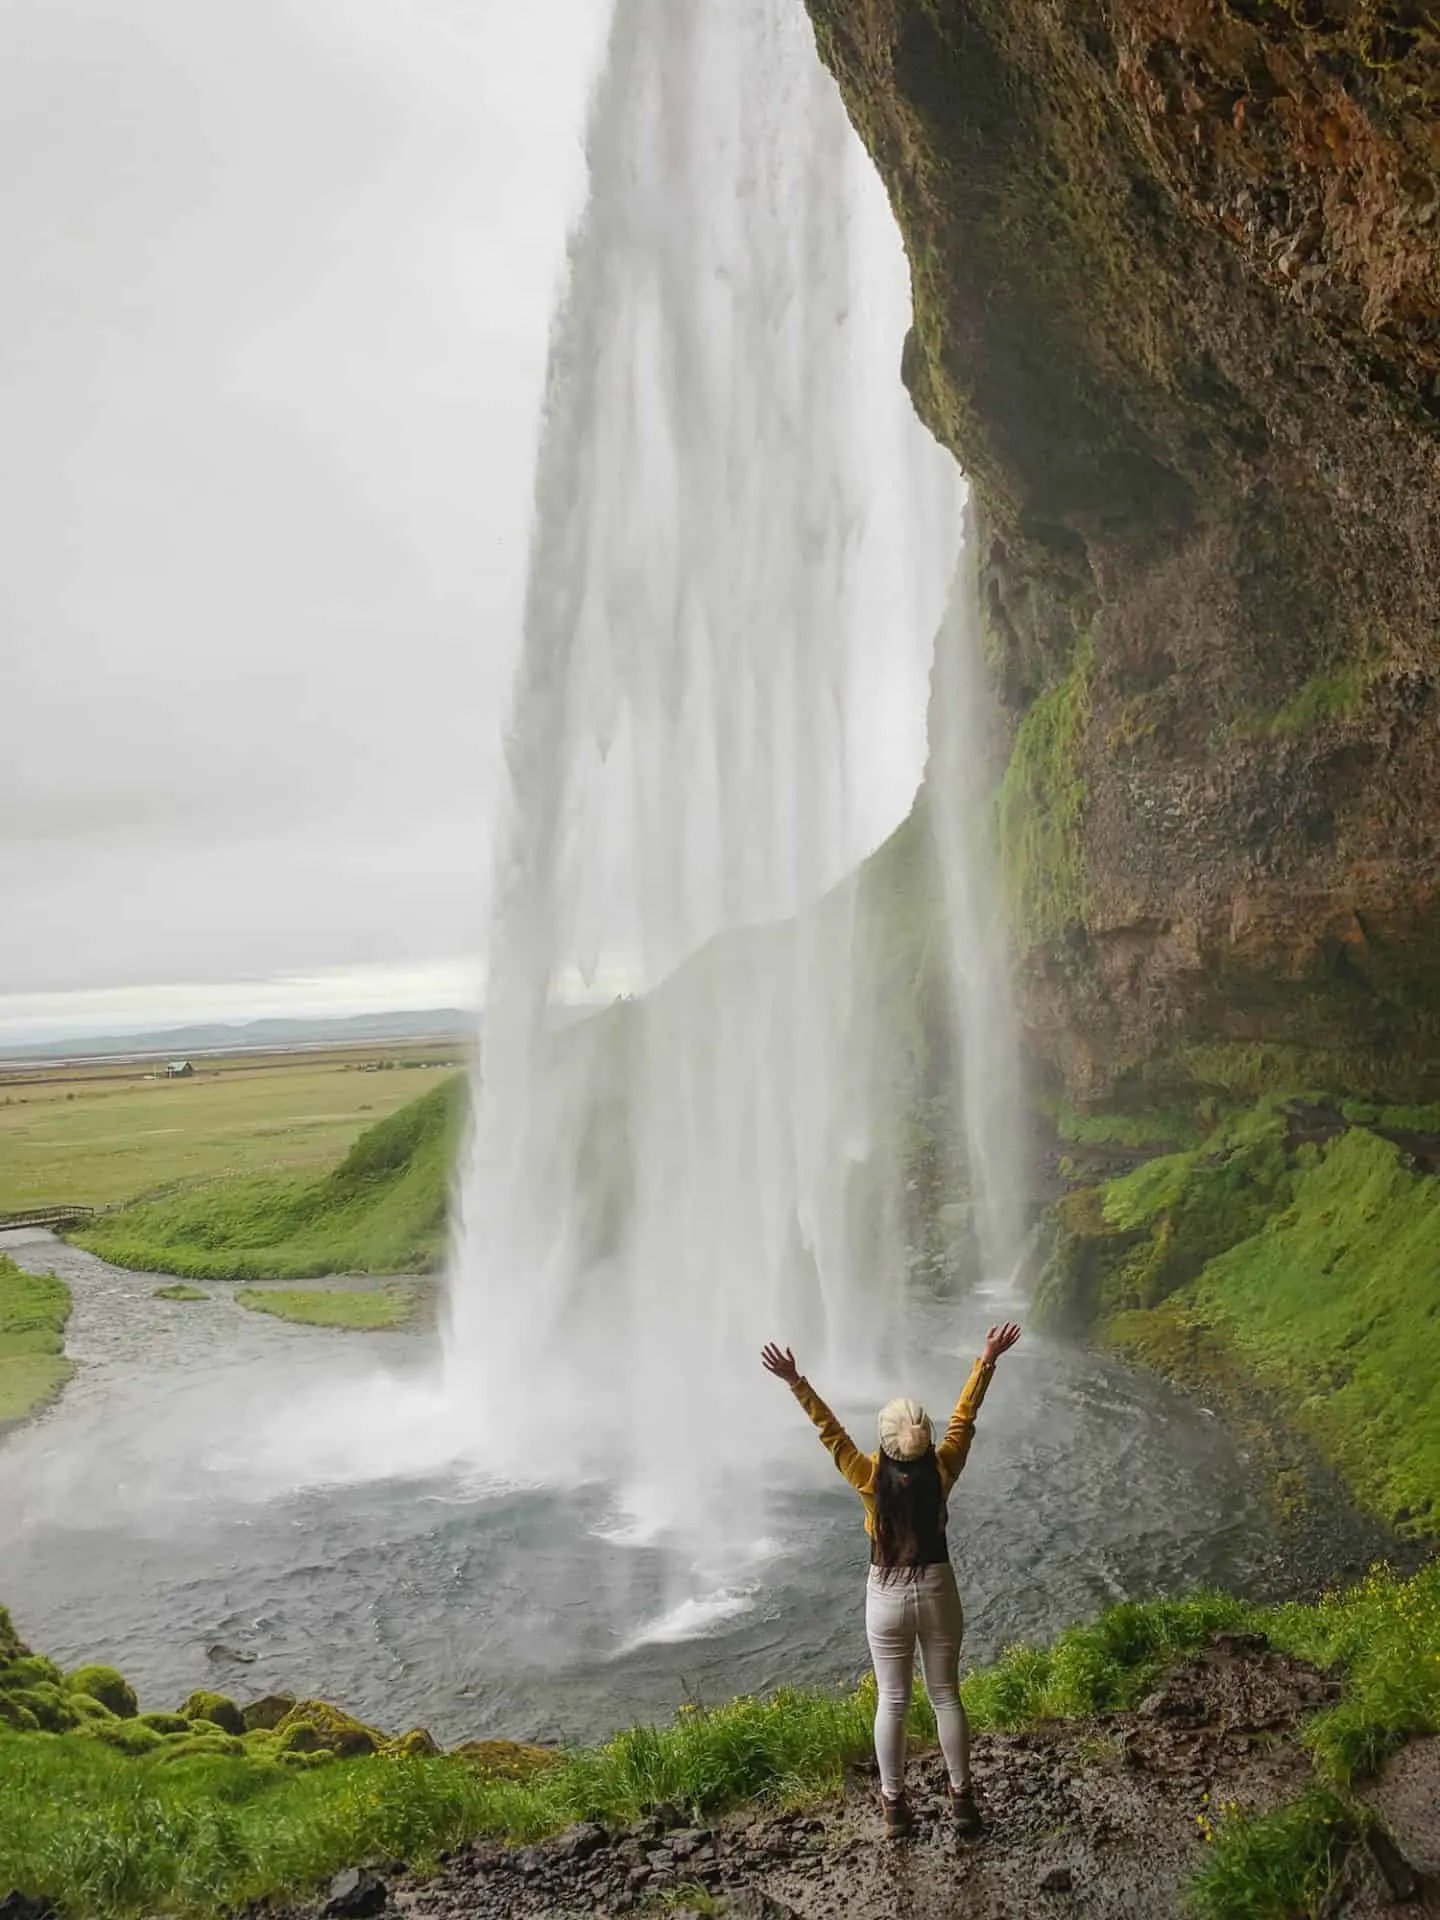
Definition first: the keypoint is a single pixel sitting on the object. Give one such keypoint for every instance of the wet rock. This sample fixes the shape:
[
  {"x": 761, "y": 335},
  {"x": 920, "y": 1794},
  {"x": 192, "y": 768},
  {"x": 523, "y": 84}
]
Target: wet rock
[
  {"x": 580, "y": 1841},
  {"x": 355, "y": 1894},
  {"x": 21, "y": 1906},
  {"x": 1057, "y": 1880},
  {"x": 686, "y": 1841},
  {"x": 236, "y": 1655},
  {"x": 749, "y": 1903}
]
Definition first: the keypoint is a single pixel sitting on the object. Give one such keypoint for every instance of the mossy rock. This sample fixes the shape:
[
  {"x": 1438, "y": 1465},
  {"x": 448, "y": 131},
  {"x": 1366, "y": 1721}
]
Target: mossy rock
[
  {"x": 294, "y": 1758},
  {"x": 218, "y": 1708},
  {"x": 265, "y": 1714},
  {"x": 329, "y": 1729},
  {"x": 225, "y": 1745},
  {"x": 506, "y": 1759},
  {"x": 417, "y": 1744},
  {"x": 166, "y": 1724},
  {"x": 1085, "y": 1251},
  {"x": 126, "y": 1736},
  {"x": 30, "y": 1670},
  {"x": 109, "y": 1687},
  {"x": 50, "y": 1707},
  {"x": 12, "y": 1647},
  {"x": 86, "y": 1707},
  {"x": 12, "y": 1714},
  {"x": 263, "y": 1743}
]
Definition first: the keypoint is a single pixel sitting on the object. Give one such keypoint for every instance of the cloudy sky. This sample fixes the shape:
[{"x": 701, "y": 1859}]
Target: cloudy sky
[{"x": 278, "y": 277}]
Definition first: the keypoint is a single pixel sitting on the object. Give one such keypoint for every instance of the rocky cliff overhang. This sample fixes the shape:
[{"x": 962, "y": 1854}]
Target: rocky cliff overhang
[{"x": 1176, "y": 270}]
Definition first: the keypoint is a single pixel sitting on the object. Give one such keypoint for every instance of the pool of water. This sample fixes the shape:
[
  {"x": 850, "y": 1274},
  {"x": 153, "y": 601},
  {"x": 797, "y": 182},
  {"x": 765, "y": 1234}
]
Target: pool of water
[{"x": 227, "y": 1500}]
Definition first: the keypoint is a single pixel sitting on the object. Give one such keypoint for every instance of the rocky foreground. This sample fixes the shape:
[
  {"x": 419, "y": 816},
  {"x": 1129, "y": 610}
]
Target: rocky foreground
[{"x": 1110, "y": 1816}]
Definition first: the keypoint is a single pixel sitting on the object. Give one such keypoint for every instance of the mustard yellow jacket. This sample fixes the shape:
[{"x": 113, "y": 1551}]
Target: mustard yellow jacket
[{"x": 860, "y": 1468}]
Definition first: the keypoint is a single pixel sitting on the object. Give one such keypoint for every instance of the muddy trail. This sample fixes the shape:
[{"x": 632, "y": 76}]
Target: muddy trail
[{"x": 1107, "y": 1816}]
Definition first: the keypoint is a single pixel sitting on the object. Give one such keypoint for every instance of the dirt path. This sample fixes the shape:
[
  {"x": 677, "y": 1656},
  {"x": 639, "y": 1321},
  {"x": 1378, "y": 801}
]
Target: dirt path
[{"x": 1101, "y": 1818}]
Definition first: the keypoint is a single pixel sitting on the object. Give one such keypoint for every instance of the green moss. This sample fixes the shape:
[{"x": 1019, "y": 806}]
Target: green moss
[
  {"x": 125, "y": 1736},
  {"x": 107, "y": 1686},
  {"x": 367, "y": 1309},
  {"x": 29, "y": 1670},
  {"x": 34, "y": 1310},
  {"x": 1336, "y": 1305},
  {"x": 1326, "y": 698},
  {"x": 165, "y": 1724},
  {"x": 85, "y": 1707},
  {"x": 1040, "y": 809},
  {"x": 181, "y": 1292},
  {"x": 315, "y": 1725},
  {"x": 217, "y": 1708},
  {"x": 1150, "y": 1127},
  {"x": 19, "y": 1718},
  {"x": 202, "y": 1741}
]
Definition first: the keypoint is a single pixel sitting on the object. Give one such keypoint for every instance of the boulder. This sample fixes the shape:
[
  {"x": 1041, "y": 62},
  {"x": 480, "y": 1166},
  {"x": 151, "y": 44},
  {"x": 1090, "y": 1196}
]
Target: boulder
[
  {"x": 126, "y": 1736},
  {"x": 107, "y": 1686},
  {"x": 314, "y": 1725},
  {"x": 505, "y": 1759},
  {"x": 355, "y": 1894},
  {"x": 266, "y": 1713},
  {"x": 85, "y": 1706},
  {"x": 165, "y": 1724},
  {"x": 51, "y": 1707},
  {"x": 218, "y": 1708},
  {"x": 417, "y": 1744}
]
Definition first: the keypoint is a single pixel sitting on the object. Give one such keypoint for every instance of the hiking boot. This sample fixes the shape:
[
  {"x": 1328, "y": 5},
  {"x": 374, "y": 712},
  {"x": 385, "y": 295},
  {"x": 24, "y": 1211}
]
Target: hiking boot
[
  {"x": 964, "y": 1814},
  {"x": 898, "y": 1818}
]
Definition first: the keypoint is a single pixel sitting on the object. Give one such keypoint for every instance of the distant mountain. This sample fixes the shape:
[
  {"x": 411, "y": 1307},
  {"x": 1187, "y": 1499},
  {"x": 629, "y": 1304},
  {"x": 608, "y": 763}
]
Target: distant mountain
[{"x": 434, "y": 1023}]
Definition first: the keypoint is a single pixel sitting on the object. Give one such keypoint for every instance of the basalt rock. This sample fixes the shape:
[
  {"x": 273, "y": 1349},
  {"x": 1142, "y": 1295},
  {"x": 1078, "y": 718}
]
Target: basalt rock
[{"x": 1176, "y": 269}]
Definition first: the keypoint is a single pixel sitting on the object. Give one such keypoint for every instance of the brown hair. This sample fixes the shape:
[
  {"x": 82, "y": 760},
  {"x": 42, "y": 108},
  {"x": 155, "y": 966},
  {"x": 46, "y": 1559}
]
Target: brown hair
[{"x": 909, "y": 1512}]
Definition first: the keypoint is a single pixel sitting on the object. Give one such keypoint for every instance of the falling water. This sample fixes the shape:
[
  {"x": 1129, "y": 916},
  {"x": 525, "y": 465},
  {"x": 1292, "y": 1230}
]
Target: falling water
[{"x": 742, "y": 539}]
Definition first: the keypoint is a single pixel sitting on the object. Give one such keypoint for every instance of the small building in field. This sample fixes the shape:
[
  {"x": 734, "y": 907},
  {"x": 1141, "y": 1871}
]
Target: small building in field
[{"x": 179, "y": 1070}]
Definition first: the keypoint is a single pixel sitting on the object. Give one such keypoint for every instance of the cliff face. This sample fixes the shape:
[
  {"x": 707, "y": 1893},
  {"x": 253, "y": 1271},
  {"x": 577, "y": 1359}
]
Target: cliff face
[{"x": 1176, "y": 268}]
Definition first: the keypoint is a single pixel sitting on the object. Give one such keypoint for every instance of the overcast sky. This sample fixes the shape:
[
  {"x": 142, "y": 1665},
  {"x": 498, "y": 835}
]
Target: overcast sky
[{"x": 278, "y": 277}]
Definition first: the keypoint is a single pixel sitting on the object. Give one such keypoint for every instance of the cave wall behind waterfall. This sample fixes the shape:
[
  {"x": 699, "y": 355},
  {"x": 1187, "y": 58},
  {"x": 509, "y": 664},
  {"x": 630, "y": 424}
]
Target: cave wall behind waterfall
[{"x": 1176, "y": 270}]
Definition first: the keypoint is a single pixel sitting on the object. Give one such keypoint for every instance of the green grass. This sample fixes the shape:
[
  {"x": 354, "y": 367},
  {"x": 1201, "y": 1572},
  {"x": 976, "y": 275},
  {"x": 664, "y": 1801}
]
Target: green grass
[
  {"x": 34, "y": 1310},
  {"x": 1335, "y": 1304},
  {"x": 104, "y": 1137},
  {"x": 1040, "y": 809},
  {"x": 103, "y": 1832},
  {"x": 383, "y": 1209},
  {"x": 1273, "y": 1866},
  {"x": 180, "y": 1292},
  {"x": 368, "y": 1309}
]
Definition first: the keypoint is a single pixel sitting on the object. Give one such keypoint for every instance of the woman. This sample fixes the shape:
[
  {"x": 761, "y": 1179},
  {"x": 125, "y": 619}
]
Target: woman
[{"x": 911, "y": 1596}]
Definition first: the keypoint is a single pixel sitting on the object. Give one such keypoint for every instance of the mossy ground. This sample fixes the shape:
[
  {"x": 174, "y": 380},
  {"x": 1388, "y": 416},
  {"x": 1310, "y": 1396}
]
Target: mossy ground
[
  {"x": 1313, "y": 1269},
  {"x": 34, "y": 1309},
  {"x": 199, "y": 1821},
  {"x": 360, "y": 1309},
  {"x": 382, "y": 1210}
]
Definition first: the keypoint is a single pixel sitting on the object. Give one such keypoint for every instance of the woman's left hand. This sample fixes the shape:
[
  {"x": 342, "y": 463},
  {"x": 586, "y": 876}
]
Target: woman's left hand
[{"x": 781, "y": 1363}]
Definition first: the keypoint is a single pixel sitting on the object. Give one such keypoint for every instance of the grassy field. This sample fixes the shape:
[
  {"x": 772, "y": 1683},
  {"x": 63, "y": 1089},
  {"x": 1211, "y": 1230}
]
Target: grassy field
[
  {"x": 33, "y": 1311},
  {"x": 119, "y": 1817},
  {"x": 105, "y": 1134},
  {"x": 362, "y": 1310},
  {"x": 382, "y": 1210}
]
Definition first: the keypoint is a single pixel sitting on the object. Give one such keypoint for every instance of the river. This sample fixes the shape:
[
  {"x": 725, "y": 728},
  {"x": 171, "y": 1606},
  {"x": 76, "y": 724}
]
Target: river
[{"x": 224, "y": 1499}]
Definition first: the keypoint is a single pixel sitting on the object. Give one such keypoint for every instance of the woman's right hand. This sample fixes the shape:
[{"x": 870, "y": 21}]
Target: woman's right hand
[
  {"x": 1000, "y": 1340},
  {"x": 780, "y": 1362}
]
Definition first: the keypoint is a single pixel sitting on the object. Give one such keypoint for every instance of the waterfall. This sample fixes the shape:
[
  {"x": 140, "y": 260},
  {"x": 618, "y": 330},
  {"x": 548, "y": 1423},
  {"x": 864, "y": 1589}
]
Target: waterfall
[{"x": 741, "y": 549}]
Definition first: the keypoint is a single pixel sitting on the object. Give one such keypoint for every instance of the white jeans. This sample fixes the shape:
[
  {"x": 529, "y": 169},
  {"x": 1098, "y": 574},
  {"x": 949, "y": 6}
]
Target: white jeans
[{"x": 899, "y": 1614}]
